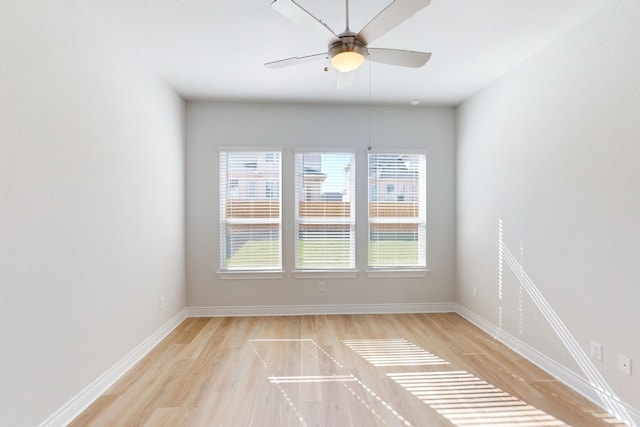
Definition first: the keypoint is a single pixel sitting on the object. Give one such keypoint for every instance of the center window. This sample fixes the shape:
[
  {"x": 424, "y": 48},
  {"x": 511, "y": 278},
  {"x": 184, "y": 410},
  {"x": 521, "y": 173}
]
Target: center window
[{"x": 325, "y": 217}]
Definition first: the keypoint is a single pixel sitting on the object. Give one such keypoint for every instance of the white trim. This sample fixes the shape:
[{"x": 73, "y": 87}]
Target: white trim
[
  {"x": 251, "y": 220},
  {"x": 392, "y": 150},
  {"x": 549, "y": 365},
  {"x": 323, "y": 150},
  {"x": 265, "y": 149},
  {"x": 568, "y": 377},
  {"x": 396, "y": 273},
  {"x": 250, "y": 275},
  {"x": 395, "y": 220},
  {"x": 350, "y": 220},
  {"x": 480, "y": 322},
  {"x": 293, "y": 310},
  {"x": 82, "y": 400}
]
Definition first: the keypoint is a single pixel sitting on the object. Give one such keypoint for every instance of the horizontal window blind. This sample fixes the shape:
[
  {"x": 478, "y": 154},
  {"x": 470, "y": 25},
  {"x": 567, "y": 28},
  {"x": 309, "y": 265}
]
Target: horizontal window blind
[
  {"x": 325, "y": 218},
  {"x": 397, "y": 210},
  {"x": 250, "y": 211}
]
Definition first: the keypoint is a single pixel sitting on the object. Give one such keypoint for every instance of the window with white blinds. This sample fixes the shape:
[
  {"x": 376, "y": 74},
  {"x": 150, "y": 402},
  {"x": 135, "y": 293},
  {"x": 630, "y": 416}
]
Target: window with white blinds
[
  {"x": 325, "y": 217},
  {"x": 397, "y": 211},
  {"x": 250, "y": 211}
]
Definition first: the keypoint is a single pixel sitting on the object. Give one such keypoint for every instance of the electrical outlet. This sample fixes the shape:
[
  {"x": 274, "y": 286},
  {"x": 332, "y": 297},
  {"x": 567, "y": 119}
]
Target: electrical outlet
[
  {"x": 596, "y": 351},
  {"x": 624, "y": 364},
  {"x": 475, "y": 293},
  {"x": 321, "y": 286},
  {"x": 161, "y": 304}
]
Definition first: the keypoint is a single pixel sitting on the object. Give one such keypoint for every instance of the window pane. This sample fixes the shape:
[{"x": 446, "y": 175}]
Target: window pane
[
  {"x": 397, "y": 210},
  {"x": 324, "y": 211},
  {"x": 325, "y": 246},
  {"x": 252, "y": 246},
  {"x": 396, "y": 245},
  {"x": 250, "y": 217}
]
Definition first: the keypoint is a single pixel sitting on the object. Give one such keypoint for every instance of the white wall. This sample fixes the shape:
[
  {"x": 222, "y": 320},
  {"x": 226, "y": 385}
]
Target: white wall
[
  {"x": 553, "y": 149},
  {"x": 211, "y": 125},
  {"x": 91, "y": 205}
]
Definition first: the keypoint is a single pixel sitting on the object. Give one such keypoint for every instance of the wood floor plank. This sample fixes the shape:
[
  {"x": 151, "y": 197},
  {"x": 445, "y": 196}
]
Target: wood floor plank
[
  {"x": 162, "y": 417},
  {"x": 337, "y": 370}
]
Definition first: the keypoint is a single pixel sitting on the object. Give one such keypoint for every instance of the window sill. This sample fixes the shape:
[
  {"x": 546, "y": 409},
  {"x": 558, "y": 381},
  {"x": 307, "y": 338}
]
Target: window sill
[
  {"x": 396, "y": 273},
  {"x": 319, "y": 274},
  {"x": 254, "y": 275}
]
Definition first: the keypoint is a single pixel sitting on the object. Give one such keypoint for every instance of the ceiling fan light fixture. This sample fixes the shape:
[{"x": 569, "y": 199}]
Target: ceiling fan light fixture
[
  {"x": 347, "y": 61},
  {"x": 347, "y": 54}
]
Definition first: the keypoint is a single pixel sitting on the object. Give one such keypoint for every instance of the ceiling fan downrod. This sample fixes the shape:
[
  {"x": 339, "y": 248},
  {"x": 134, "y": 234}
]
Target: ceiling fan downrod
[{"x": 346, "y": 5}]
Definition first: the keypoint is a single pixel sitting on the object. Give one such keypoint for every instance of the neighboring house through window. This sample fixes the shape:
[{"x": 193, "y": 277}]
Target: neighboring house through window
[
  {"x": 324, "y": 198},
  {"x": 250, "y": 211},
  {"x": 397, "y": 217},
  {"x": 325, "y": 217},
  {"x": 272, "y": 189}
]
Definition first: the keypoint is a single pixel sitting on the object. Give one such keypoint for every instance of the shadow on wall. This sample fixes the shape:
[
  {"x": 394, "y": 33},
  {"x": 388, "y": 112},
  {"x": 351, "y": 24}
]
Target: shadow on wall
[{"x": 607, "y": 396}]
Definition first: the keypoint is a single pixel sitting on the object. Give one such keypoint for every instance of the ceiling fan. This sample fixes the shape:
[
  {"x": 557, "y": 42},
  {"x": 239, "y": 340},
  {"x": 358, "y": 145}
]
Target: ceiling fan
[{"x": 347, "y": 51}]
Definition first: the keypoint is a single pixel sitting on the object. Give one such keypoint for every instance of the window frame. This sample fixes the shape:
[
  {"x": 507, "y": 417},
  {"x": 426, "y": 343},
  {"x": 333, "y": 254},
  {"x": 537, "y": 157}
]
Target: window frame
[
  {"x": 287, "y": 167},
  {"x": 418, "y": 270},
  {"x": 257, "y": 272},
  {"x": 302, "y": 193}
]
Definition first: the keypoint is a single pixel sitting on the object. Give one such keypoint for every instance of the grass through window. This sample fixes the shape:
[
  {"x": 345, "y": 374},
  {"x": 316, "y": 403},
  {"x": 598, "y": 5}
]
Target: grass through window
[{"x": 319, "y": 253}]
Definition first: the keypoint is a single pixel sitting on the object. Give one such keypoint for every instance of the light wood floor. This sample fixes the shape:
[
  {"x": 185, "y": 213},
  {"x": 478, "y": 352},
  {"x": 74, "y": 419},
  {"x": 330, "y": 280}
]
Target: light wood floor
[{"x": 339, "y": 370}]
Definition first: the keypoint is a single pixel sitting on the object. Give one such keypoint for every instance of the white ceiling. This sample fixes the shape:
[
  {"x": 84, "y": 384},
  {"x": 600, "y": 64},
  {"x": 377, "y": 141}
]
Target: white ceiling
[{"x": 217, "y": 48}]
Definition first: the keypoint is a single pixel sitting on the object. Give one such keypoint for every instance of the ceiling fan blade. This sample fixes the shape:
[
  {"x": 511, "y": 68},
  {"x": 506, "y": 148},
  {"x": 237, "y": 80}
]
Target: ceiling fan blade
[
  {"x": 300, "y": 16},
  {"x": 294, "y": 61},
  {"x": 403, "y": 58},
  {"x": 345, "y": 80},
  {"x": 390, "y": 17}
]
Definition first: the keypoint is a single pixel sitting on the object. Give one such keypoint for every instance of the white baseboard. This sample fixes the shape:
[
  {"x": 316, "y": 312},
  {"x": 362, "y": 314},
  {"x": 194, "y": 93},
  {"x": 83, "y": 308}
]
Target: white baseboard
[
  {"x": 568, "y": 377},
  {"x": 82, "y": 400},
  {"x": 294, "y": 310}
]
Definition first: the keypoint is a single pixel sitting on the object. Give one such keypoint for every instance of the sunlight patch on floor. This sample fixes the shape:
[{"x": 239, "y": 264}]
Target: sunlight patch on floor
[
  {"x": 466, "y": 400},
  {"x": 393, "y": 352},
  {"x": 303, "y": 379}
]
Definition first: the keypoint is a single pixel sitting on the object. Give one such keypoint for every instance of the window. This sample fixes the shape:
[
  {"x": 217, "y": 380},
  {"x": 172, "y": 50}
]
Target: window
[
  {"x": 325, "y": 219},
  {"x": 250, "y": 221},
  {"x": 397, "y": 220},
  {"x": 272, "y": 189},
  {"x": 234, "y": 191}
]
